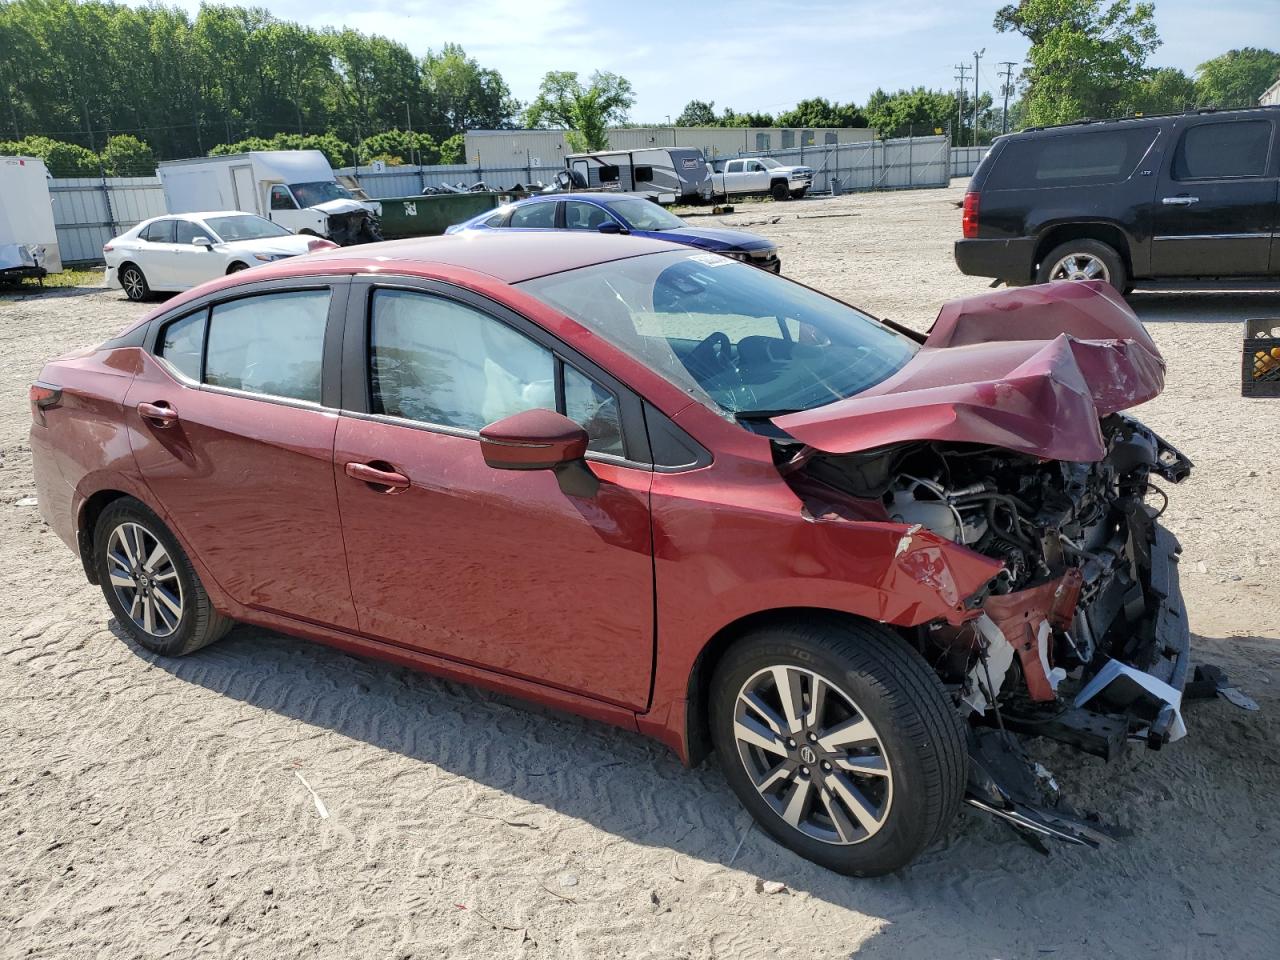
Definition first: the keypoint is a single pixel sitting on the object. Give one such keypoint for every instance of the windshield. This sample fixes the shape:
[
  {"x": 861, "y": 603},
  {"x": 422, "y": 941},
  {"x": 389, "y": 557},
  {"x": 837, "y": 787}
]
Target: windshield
[
  {"x": 743, "y": 341},
  {"x": 318, "y": 192},
  {"x": 247, "y": 227},
  {"x": 641, "y": 214},
  {"x": 770, "y": 163}
]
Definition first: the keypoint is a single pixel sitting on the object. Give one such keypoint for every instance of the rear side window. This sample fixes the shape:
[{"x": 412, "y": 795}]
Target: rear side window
[
  {"x": 271, "y": 344},
  {"x": 1221, "y": 151},
  {"x": 534, "y": 215},
  {"x": 1070, "y": 159},
  {"x": 159, "y": 232}
]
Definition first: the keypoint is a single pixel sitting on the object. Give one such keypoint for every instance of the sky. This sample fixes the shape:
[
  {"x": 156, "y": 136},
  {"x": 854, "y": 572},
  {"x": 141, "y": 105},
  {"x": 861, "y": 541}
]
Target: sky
[{"x": 751, "y": 54}]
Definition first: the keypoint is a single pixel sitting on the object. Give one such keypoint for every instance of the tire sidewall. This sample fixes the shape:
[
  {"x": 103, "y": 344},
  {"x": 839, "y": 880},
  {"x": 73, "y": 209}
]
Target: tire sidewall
[
  {"x": 134, "y": 511},
  {"x": 907, "y": 830},
  {"x": 780, "y": 191}
]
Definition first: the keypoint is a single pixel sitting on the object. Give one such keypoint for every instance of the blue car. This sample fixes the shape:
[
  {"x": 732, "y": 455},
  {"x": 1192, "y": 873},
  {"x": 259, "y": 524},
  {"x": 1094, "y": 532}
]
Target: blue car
[{"x": 622, "y": 213}]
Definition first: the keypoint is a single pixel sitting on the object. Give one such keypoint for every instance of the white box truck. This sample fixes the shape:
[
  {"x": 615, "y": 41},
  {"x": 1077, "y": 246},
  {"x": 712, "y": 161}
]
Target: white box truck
[
  {"x": 28, "y": 239},
  {"x": 294, "y": 188}
]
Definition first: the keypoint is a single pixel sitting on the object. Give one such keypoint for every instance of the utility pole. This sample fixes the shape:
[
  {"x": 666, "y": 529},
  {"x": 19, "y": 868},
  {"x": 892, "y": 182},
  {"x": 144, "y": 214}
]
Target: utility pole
[
  {"x": 1006, "y": 90},
  {"x": 961, "y": 70},
  {"x": 977, "y": 55}
]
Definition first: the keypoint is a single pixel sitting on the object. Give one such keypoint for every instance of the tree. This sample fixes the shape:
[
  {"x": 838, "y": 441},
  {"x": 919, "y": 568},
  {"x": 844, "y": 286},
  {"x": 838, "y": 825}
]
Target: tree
[
  {"x": 585, "y": 112},
  {"x": 461, "y": 95},
  {"x": 1086, "y": 57},
  {"x": 62, "y": 159},
  {"x": 731, "y": 118},
  {"x": 400, "y": 147},
  {"x": 916, "y": 112},
  {"x": 698, "y": 113},
  {"x": 1166, "y": 90},
  {"x": 818, "y": 112},
  {"x": 454, "y": 149},
  {"x": 126, "y": 156},
  {"x": 1237, "y": 78}
]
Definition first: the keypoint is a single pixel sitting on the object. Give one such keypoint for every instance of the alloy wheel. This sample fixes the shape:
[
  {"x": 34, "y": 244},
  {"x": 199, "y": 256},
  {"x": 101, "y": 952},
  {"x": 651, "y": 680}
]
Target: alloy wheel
[
  {"x": 813, "y": 755},
  {"x": 1080, "y": 266},
  {"x": 131, "y": 280},
  {"x": 144, "y": 579}
]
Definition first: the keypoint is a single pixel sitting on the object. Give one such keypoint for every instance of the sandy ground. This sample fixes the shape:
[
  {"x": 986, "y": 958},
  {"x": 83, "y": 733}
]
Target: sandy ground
[{"x": 153, "y": 808}]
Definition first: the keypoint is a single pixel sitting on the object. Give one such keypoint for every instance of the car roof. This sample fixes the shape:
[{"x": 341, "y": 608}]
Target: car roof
[
  {"x": 1149, "y": 118},
  {"x": 596, "y": 198}
]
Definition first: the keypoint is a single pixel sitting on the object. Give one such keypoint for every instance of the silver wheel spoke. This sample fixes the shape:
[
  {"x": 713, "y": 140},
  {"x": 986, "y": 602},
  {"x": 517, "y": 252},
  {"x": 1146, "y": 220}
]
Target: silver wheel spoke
[
  {"x": 853, "y": 730},
  {"x": 788, "y": 684},
  {"x": 764, "y": 711},
  {"x": 157, "y": 556},
  {"x": 123, "y": 540},
  {"x": 135, "y": 607},
  {"x": 749, "y": 731},
  {"x": 148, "y": 615},
  {"x": 796, "y": 803},
  {"x": 845, "y": 827},
  {"x": 862, "y": 811},
  {"x": 166, "y": 600},
  {"x": 817, "y": 701},
  {"x": 870, "y": 766},
  {"x": 119, "y": 580},
  {"x": 782, "y": 772},
  {"x": 1092, "y": 269}
]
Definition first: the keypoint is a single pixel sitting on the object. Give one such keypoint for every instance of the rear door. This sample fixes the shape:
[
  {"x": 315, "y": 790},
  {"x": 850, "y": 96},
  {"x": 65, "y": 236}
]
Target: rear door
[
  {"x": 158, "y": 256},
  {"x": 538, "y": 215},
  {"x": 496, "y": 568},
  {"x": 232, "y": 424},
  {"x": 1215, "y": 210}
]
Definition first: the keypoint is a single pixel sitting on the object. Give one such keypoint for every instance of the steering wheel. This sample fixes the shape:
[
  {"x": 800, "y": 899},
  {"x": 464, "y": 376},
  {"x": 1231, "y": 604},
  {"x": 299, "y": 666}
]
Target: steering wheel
[{"x": 710, "y": 357}]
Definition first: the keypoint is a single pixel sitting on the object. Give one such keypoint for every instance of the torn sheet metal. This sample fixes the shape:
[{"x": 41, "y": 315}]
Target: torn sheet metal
[
  {"x": 988, "y": 672},
  {"x": 1132, "y": 684},
  {"x": 1027, "y": 619}
]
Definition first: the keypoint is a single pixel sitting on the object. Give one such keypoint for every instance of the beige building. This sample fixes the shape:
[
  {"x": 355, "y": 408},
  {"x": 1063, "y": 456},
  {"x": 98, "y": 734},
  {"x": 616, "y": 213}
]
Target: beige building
[
  {"x": 547, "y": 148},
  {"x": 1271, "y": 98}
]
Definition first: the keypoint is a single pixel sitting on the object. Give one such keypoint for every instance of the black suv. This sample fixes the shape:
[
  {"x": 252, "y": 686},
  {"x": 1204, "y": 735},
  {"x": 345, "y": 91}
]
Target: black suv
[{"x": 1173, "y": 197}]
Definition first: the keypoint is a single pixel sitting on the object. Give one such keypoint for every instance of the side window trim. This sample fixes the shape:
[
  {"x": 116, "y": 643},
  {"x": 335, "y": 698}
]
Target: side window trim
[{"x": 355, "y": 400}]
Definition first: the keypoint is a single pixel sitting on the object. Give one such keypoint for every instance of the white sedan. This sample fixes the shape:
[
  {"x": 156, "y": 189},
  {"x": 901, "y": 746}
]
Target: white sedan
[{"x": 180, "y": 251}]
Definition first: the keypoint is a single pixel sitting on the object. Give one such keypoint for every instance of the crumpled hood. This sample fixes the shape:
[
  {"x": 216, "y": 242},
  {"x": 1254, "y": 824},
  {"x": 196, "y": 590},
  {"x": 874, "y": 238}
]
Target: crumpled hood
[
  {"x": 341, "y": 206},
  {"x": 1029, "y": 369},
  {"x": 282, "y": 246},
  {"x": 710, "y": 238}
]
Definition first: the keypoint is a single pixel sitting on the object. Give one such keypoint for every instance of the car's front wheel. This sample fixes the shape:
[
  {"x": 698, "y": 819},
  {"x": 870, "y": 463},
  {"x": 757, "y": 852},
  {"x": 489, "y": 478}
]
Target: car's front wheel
[
  {"x": 779, "y": 190},
  {"x": 134, "y": 283},
  {"x": 149, "y": 582},
  {"x": 840, "y": 741}
]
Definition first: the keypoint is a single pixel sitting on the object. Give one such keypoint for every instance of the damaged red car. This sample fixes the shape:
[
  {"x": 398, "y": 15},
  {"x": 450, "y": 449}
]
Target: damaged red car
[{"x": 662, "y": 489}]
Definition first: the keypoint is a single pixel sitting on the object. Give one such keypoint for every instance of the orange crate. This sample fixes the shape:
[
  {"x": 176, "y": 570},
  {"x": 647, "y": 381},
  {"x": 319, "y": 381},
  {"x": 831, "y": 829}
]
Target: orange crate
[{"x": 1260, "y": 366}]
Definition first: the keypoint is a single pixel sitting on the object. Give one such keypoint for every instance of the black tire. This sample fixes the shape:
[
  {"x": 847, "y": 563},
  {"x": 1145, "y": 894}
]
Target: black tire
[
  {"x": 134, "y": 282},
  {"x": 1116, "y": 272},
  {"x": 199, "y": 623},
  {"x": 799, "y": 194},
  {"x": 237, "y": 267},
  {"x": 779, "y": 190},
  {"x": 919, "y": 730}
]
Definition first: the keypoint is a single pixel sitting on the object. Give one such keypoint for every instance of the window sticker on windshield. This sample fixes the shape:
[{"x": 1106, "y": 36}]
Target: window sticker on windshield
[{"x": 710, "y": 259}]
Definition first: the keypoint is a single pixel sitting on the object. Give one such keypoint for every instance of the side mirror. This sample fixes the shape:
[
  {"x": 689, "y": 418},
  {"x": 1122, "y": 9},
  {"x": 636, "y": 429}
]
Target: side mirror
[
  {"x": 541, "y": 440},
  {"x": 202, "y": 241},
  {"x": 611, "y": 226}
]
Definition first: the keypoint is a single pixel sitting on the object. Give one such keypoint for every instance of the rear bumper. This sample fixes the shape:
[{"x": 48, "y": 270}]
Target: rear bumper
[
  {"x": 1010, "y": 260},
  {"x": 110, "y": 279}
]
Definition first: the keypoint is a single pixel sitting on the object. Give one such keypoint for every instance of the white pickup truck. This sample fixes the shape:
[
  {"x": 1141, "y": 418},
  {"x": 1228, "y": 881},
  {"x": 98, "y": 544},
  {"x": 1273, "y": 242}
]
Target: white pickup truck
[{"x": 759, "y": 175}]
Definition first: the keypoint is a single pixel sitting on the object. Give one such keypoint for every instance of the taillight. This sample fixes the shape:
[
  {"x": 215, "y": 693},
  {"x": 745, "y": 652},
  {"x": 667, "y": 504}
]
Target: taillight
[
  {"x": 43, "y": 397},
  {"x": 969, "y": 219}
]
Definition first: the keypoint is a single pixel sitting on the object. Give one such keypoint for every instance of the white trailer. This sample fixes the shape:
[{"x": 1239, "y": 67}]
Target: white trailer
[
  {"x": 28, "y": 239},
  {"x": 294, "y": 188}
]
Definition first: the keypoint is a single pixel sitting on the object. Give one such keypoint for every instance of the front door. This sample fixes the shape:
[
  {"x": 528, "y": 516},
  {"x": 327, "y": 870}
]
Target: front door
[
  {"x": 1215, "y": 208},
  {"x": 497, "y": 568},
  {"x": 231, "y": 434}
]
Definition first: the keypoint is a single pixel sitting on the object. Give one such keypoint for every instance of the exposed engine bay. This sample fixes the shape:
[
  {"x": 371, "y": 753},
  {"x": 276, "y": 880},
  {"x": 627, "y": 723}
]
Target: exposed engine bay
[
  {"x": 1081, "y": 637},
  {"x": 358, "y": 226}
]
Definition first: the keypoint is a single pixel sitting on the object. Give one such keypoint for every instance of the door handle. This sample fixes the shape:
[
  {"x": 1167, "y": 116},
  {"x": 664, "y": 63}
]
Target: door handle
[
  {"x": 376, "y": 476},
  {"x": 159, "y": 415},
  {"x": 1179, "y": 201}
]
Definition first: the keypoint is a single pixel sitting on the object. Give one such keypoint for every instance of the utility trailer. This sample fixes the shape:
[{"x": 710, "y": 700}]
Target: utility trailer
[
  {"x": 28, "y": 238},
  {"x": 664, "y": 174},
  {"x": 294, "y": 188}
]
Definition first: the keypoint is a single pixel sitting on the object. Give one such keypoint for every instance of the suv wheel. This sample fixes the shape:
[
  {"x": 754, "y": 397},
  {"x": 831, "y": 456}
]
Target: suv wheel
[
  {"x": 1084, "y": 260},
  {"x": 149, "y": 582},
  {"x": 779, "y": 190},
  {"x": 840, "y": 741}
]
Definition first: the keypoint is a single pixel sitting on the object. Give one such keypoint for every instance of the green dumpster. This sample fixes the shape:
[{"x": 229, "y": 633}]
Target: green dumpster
[{"x": 427, "y": 216}]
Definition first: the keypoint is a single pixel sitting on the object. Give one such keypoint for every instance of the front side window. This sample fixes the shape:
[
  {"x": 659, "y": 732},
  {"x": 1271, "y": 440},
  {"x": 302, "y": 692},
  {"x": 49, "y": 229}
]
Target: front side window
[
  {"x": 1221, "y": 151},
  {"x": 282, "y": 199},
  {"x": 184, "y": 231},
  {"x": 583, "y": 216},
  {"x": 645, "y": 214},
  {"x": 534, "y": 215},
  {"x": 742, "y": 341},
  {"x": 444, "y": 363},
  {"x": 271, "y": 344}
]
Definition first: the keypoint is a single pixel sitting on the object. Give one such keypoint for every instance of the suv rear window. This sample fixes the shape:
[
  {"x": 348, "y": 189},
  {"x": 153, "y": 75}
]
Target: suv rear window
[{"x": 1070, "y": 159}]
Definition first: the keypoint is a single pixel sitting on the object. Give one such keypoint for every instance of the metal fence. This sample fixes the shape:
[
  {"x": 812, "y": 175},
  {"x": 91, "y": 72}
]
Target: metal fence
[
  {"x": 411, "y": 180},
  {"x": 965, "y": 160},
  {"x": 907, "y": 163},
  {"x": 89, "y": 211}
]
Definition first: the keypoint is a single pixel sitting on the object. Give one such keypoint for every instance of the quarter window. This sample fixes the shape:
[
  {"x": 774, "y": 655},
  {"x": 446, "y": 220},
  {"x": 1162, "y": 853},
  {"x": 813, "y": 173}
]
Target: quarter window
[
  {"x": 1221, "y": 151},
  {"x": 271, "y": 344},
  {"x": 439, "y": 362},
  {"x": 1071, "y": 159},
  {"x": 159, "y": 232},
  {"x": 182, "y": 344},
  {"x": 534, "y": 215}
]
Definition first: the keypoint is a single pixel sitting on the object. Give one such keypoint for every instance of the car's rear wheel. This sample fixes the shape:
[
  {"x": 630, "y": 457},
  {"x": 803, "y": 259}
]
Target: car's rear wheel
[
  {"x": 149, "y": 582},
  {"x": 134, "y": 283},
  {"x": 1084, "y": 260},
  {"x": 237, "y": 267},
  {"x": 779, "y": 190},
  {"x": 840, "y": 741}
]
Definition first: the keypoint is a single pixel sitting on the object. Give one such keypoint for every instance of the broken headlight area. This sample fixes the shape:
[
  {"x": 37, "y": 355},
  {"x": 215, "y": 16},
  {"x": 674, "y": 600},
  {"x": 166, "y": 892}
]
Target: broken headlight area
[
  {"x": 358, "y": 226},
  {"x": 1082, "y": 637}
]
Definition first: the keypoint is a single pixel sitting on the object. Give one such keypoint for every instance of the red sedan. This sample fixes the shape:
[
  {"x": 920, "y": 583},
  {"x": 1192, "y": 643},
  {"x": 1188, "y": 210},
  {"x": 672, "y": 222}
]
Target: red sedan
[{"x": 662, "y": 489}]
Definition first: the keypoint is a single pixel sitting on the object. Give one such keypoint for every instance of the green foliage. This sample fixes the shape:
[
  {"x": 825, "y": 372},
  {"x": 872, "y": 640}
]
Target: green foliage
[
  {"x": 337, "y": 152},
  {"x": 698, "y": 113},
  {"x": 916, "y": 112},
  {"x": 126, "y": 156},
  {"x": 584, "y": 111},
  {"x": 818, "y": 112},
  {"x": 406, "y": 147},
  {"x": 454, "y": 149},
  {"x": 1237, "y": 78},
  {"x": 1165, "y": 90},
  {"x": 223, "y": 75},
  {"x": 1086, "y": 56},
  {"x": 62, "y": 159}
]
